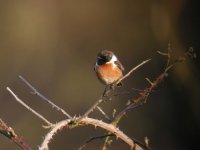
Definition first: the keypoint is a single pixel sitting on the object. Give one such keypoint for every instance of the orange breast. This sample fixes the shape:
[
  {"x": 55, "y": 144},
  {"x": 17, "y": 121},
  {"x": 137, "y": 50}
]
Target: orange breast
[{"x": 108, "y": 73}]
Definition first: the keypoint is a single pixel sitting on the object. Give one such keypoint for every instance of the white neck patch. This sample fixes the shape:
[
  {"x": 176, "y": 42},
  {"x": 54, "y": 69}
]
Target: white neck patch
[{"x": 114, "y": 58}]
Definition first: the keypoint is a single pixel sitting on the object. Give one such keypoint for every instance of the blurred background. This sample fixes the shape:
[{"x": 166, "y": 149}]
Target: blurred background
[{"x": 53, "y": 44}]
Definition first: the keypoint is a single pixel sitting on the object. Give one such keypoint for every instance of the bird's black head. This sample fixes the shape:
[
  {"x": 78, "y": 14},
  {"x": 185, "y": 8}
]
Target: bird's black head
[{"x": 104, "y": 57}]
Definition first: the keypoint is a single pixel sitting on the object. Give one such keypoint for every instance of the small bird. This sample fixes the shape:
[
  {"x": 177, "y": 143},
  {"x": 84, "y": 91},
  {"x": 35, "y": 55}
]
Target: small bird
[{"x": 108, "y": 68}]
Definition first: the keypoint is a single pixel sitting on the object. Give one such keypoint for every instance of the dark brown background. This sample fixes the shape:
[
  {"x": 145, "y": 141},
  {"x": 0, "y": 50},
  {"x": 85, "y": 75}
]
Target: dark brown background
[{"x": 53, "y": 44}]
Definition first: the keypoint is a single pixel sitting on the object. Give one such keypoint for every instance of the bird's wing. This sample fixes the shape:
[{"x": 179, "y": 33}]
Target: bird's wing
[{"x": 118, "y": 63}]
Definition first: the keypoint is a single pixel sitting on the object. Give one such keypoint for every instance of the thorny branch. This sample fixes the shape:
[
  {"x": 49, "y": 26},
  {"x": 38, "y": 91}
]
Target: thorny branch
[
  {"x": 74, "y": 122},
  {"x": 29, "y": 108},
  {"x": 35, "y": 91},
  {"x": 10, "y": 133},
  {"x": 111, "y": 127},
  {"x": 145, "y": 93},
  {"x": 86, "y": 121},
  {"x": 99, "y": 101}
]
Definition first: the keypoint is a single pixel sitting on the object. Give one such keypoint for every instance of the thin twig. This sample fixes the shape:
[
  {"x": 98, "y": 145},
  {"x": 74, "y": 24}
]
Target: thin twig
[
  {"x": 94, "y": 138},
  {"x": 143, "y": 95},
  {"x": 141, "y": 99},
  {"x": 114, "y": 85},
  {"x": 99, "y": 101},
  {"x": 103, "y": 113},
  {"x": 27, "y": 107},
  {"x": 106, "y": 141},
  {"x": 35, "y": 91},
  {"x": 10, "y": 133},
  {"x": 132, "y": 70}
]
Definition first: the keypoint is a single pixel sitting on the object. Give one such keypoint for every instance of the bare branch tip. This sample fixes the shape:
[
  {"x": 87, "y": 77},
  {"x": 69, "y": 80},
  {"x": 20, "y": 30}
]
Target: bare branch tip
[
  {"x": 163, "y": 53},
  {"x": 22, "y": 78},
  {"x": 149, "y": 81},
  {"x": 148, "y": 60},
  {"x": 9, "y": 90}
]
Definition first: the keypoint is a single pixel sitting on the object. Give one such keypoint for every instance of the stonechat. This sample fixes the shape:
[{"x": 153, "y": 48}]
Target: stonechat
[{"x": 108, "y": 68}]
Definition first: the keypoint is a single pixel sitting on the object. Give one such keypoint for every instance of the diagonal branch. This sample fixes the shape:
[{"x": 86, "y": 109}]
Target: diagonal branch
[
  {"x": 99, "y": 101},
  {"x": 10, "y": 133},
  {"x": 35, "y": 91},
  {"x": 94, "y": 138},
  {"x": 29, "y": 108},
  {"x": 77, "y": 121},
  {"x": 131, "y": 71},
  {"x": 142, "y": 98},
  {"x": 144, "y": 95},
  {"x": 103, "y": 113}
]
